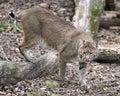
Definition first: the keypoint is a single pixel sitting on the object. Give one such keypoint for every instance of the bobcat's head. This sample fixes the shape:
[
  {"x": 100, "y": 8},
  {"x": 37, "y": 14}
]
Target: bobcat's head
[{"x": 87, "y": 51}]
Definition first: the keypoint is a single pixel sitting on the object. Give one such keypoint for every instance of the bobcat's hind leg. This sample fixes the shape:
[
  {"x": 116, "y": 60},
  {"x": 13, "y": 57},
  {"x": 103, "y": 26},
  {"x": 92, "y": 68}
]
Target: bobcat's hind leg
[
  {"x": 23, "y": 50},
  {"x": 26, "y": 45},
  {"x": 62, "y": 70}
]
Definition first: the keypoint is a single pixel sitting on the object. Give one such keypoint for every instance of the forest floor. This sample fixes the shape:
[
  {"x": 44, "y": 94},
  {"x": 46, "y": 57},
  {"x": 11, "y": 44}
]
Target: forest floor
[{"x": 104, "y": 78}]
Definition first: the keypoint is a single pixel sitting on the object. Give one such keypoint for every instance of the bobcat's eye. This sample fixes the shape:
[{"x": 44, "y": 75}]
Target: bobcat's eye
[
  {"x": 80, "y": 56},
  {"x": 90, "y": 53},
  {"x": 84, "y": 52}
]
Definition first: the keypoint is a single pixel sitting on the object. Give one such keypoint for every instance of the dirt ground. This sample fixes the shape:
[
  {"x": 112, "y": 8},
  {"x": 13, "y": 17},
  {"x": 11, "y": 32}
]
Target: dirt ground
[{"x": 103, "y": 78}]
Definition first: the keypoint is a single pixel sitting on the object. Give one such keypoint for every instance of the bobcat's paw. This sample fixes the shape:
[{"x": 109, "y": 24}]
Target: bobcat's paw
[{"x": 85, "y": 85}]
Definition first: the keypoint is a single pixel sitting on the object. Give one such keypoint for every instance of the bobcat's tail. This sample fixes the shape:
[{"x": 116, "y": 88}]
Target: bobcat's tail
[{"x": 13, "y": 16}]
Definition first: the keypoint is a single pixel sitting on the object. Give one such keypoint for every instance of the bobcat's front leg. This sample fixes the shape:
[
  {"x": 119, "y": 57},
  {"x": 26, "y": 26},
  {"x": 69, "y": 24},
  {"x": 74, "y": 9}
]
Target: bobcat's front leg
[{"x": 83, "y": 67}]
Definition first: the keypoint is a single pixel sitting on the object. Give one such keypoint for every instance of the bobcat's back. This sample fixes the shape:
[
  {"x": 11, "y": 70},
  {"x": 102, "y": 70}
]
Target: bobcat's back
[{"x": 40, "y": 23}]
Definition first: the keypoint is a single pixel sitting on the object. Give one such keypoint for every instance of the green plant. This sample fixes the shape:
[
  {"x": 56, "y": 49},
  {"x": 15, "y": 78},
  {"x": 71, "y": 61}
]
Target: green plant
[
  {"x": 105, "y": 88},
  {"x": 54, "y": 94},
  {"x": 16, "y": 27},
  {"x": 3, "y": 26},
  {"x": 51, "y": 84}
]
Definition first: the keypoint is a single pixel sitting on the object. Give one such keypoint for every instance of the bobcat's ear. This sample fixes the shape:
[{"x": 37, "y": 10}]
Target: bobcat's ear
[
  {"x": 83, "y": 41},
  {"x": 96, "y": 43},
  {"x": 61, "y": 47}
]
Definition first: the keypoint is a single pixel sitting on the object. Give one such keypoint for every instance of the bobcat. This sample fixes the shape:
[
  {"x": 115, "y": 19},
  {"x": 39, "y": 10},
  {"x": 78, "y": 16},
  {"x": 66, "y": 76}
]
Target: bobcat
[{"x": 39, "y": 24}]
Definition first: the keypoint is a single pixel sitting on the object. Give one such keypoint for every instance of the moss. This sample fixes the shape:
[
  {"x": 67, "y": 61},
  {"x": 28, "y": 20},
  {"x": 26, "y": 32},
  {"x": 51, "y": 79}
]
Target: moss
[
  {"x": 81, "y": 12},
  {"x": 17, "y": 27},
  {"x": 81, "y": 8},
  {"x": 94, "y": 19},
  {"x": 9, "y": 73},
  {"x": 77, "y": 2},
  {"x": 51, "y": 84},
  {"x": 10, "y": 69},
  {"x": 3, "y": 26}
]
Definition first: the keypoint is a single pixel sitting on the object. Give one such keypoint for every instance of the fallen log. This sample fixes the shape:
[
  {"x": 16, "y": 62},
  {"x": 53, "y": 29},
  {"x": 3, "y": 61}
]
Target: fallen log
[
  {"x": 118, "y": 6},
  {"x": 3, "y": 1},
  {"x": 107, "y": 22},
  {"x": 108, "y": 54},
  {"x": 12, "y": 72}
]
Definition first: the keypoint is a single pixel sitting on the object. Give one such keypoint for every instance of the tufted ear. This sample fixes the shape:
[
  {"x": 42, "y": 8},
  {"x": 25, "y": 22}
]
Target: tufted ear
[
  {"x": 96, "y": 43},
  {"x": 12, "y": 14},
  {"x": 83, "y": 41},
  {"x": 61, "y": 47}
]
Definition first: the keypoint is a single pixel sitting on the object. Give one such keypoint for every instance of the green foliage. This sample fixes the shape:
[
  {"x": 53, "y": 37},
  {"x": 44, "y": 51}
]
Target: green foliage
[
  {"x": 9, "y": 72},
  {"x": 16, "y": 27},
  {"x": 54, "y": 94},
  {"x": 105, "y": 88},
  {"x": 3, "y": 26},
  {"x": 77, "y": 2},
  {"x": 51, "y": 84}
]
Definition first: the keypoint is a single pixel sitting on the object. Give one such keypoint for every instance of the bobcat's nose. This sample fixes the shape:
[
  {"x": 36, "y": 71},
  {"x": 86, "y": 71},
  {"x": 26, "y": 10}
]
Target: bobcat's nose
[{"x": 87, "y": 60}]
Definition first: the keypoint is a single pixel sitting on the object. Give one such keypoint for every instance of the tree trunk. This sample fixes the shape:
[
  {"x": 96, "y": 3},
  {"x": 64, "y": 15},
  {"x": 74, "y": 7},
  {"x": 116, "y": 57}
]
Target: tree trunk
[{"x": 87, "y": 15}]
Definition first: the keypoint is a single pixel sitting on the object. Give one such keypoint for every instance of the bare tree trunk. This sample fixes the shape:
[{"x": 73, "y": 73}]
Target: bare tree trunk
[{"x": 87, "y": 15}]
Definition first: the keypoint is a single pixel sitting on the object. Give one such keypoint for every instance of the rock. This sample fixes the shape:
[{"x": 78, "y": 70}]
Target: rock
[
  {"x": 2, "y": 93},
  {"x": 44, "y": 5}
]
